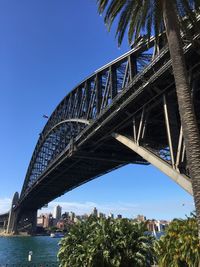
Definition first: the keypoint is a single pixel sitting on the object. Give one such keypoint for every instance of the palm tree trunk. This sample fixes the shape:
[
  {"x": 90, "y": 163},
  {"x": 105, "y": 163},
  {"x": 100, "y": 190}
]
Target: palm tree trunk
[{"x": 186, "y": 109}]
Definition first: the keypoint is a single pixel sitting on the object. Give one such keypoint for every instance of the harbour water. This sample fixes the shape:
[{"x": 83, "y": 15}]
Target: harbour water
[{"x": 15, "y": 250}]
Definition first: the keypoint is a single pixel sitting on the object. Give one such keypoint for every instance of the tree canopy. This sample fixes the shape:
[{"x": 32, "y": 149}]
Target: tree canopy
[{"x": 106, "y": 243}]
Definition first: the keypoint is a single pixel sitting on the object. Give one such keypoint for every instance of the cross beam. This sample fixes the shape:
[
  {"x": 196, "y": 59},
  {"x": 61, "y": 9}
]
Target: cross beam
[{"x": 162, "y": 165}]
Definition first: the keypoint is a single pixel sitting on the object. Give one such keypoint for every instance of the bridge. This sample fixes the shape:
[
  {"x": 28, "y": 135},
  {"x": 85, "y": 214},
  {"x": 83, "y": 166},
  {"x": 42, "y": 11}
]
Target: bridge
[{"x": 125, "y": 112}]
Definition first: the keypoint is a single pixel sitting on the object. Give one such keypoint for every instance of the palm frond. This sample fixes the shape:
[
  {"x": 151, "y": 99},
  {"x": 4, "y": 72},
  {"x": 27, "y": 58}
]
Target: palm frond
[
  {"x": 123, "y": 21},
  {"x": 113, "y": 10},
  {"x": 102, "y": 5},
  {"x": 133, "y": 22}
]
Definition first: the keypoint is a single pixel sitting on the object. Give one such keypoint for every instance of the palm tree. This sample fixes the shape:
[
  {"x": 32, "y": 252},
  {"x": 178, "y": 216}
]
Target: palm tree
[
  {"x": 155, "y": 15},
  {"x": 179, "y": 246}
]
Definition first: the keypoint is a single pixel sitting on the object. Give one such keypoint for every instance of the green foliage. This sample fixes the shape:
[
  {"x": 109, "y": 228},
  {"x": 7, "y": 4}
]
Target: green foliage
[
  {"x": 100, "y": 242},
  {"x": 179, "y": 247}
]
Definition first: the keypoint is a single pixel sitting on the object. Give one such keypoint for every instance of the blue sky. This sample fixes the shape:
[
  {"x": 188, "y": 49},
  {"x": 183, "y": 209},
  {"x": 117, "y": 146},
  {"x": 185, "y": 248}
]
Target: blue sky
[{"x": 46, "y": 48}]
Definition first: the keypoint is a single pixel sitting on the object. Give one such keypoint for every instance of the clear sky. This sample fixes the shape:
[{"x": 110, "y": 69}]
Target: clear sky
[{"x": 46, "y": 48}]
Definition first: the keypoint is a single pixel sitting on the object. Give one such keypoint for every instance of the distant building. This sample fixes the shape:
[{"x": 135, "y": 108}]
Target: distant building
[
  {"x": 111, "y": 215},
  {"x": 119, "y": 216},
  {"x": 45, "y": 220},
  {"x": 57, "y": 212},
  {"x": 40, "y": 220},
  {"x": 65, "y": 216},
  {"x": 77, "y": 219},
  {"x": 151, "y": 226},
  {"x": 156, "y": 225},
  {"x": 84, "y": 217},
  {"x": 60, "y": 225},
  {"x": 141, "y": 218},
  {"x": 101, "y": 215},
  {"x": 163, "y": 224},
  {"x": 72, "y": 216},
  {"x": 95, "y": 212}
]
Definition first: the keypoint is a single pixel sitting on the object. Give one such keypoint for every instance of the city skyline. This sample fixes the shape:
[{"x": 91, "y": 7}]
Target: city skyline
[
  {"x": 47, "y": 222},
  {"x": 41, "y": 57},
  {"x": 88, "y": 208},
  {"x": 95, "y": 212}
]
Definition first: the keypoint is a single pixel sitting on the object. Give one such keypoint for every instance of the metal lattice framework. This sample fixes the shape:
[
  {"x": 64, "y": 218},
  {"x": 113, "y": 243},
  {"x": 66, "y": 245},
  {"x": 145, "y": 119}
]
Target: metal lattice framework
[{"x": 83, "y": 105}]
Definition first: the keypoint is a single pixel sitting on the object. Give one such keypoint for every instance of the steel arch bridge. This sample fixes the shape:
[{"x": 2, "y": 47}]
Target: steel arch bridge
[{"x": 125, "y": 112}]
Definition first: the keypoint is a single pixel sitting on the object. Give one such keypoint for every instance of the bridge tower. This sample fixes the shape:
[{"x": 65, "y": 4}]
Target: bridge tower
[
  {"x": 12, "y": 219},
  {"x": 21, "y": 220}
]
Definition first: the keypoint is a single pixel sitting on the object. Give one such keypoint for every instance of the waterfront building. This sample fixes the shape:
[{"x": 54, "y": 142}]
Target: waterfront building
[{"x": 45, "y": 220}]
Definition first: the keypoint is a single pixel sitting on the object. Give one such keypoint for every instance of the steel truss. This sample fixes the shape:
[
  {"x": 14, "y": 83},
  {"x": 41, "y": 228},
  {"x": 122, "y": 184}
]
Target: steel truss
[
  {"x": 170, "y": 156},
  {"x": 82, "y": 106}
]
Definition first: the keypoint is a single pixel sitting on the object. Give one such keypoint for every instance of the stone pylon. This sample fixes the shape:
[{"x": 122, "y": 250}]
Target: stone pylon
[
  {"x": 21, "y": 220},
  {"x": 12, "y": 219}
]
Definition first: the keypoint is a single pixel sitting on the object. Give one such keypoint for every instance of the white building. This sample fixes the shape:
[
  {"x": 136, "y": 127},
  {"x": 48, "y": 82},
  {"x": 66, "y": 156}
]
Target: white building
[{"x": 57, "y": 212}]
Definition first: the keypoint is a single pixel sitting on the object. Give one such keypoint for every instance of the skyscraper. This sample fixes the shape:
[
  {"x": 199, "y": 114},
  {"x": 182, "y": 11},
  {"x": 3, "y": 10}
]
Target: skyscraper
[
  {"x": 57, "y": 212},
  {"x": 95, "y": 212}
]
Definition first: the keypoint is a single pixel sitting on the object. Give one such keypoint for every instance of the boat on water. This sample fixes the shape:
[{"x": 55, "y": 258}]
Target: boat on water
[{"x": 56, "y": 235}]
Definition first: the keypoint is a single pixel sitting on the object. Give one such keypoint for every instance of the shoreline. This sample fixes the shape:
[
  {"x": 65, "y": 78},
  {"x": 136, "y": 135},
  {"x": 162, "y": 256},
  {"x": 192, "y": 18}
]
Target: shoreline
[
  {"x": 11, "y": 235},
  {"x": 3, "y": 234}
]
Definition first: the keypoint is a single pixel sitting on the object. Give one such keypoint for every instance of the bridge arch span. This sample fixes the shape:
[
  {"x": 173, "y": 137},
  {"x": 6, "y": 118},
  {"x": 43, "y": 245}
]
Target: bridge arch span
[
  {"x": 52, "y": 143},
  {"x": 125, "y": 112}
]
